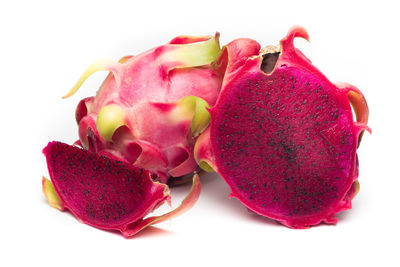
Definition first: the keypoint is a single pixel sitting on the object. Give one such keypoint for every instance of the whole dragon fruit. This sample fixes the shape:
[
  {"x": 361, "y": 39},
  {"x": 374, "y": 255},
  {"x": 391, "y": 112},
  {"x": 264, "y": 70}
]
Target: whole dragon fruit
[
  {"x": 138, "y": 131},
  {"x": 282, "y": 135},
  {"x": 152, "y": 106}
]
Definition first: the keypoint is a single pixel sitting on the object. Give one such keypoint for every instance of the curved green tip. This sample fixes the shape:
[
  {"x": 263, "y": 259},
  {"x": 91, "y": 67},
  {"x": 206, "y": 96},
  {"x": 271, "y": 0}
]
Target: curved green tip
[
  {"x": 50, "y": 194},
  {"x": 198, "y": 107},
  {"x": 205, "y": 166},
  {"x": 99, "y": 65},
  {"x": 110, "y": 118},
  {"x": 201, "y": 117},
  {"x": 194, "y": 54}
]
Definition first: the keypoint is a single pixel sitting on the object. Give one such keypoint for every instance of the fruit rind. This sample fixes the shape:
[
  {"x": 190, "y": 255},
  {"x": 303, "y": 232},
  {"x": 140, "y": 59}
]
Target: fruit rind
[{"x": 186, "y": 204}]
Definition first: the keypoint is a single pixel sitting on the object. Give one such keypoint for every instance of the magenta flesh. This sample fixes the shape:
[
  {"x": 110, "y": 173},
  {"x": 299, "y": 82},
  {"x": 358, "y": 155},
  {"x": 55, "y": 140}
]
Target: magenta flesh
[
  {"x": 285, "y": 140},
  {"x": 101, "y": 191}
]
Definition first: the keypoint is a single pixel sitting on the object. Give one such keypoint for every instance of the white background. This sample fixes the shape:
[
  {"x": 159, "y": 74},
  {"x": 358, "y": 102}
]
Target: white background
[{"x": 44, "y": 48}]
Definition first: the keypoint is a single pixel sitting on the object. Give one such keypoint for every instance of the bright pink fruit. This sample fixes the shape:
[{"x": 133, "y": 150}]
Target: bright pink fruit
[
  {"x": 104, "y": 192},
  {"x": 138, "y": 131},
  {"x": 283, "y": 136},
  {"x": 148, "y": 111}
]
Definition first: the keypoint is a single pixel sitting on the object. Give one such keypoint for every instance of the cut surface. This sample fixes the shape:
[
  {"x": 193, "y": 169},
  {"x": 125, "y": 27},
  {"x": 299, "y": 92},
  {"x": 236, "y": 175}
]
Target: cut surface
[
  {"x": 285, "y": 143},
  {"x": 101, "y": 191}
]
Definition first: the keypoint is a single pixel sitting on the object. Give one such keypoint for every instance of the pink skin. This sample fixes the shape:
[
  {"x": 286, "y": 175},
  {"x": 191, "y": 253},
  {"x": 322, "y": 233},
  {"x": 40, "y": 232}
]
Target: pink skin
[
  {"x": 102, "y": 191},
  {"x": 147, "y": 135},
  {"x": 147, "y": 87},
  {"x": 285, "y": 141}
]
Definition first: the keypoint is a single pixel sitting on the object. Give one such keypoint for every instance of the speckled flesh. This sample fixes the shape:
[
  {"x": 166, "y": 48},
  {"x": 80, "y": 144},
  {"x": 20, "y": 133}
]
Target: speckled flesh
[
  {"x": 100, "y": 191},
  {"x": 286, "y": 141}
]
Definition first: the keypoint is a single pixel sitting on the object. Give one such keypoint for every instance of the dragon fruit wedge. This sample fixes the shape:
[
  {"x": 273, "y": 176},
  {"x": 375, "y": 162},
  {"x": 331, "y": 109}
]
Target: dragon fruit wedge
[
  {"x": 282, "y": 135},
  {"x": 105, "y": 192},
  {"x": 151, "y": 107}
]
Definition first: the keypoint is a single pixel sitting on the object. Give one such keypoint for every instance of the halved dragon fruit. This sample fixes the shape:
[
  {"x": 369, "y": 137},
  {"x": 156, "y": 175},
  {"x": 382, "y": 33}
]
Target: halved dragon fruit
[
  {"x": 282, "y": 135},
  {"x": 105, "y": 192},
  {"x": 151, "y": 107}
]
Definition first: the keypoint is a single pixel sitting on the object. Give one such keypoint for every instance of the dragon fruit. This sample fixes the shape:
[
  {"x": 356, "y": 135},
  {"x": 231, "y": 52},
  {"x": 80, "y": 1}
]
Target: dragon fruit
[
  {"x": 282, "y": 135},
  {"x": 137, "y": 132},
  {"x": 105, "y": 192},
  {"x": 151, "y": 107}
]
